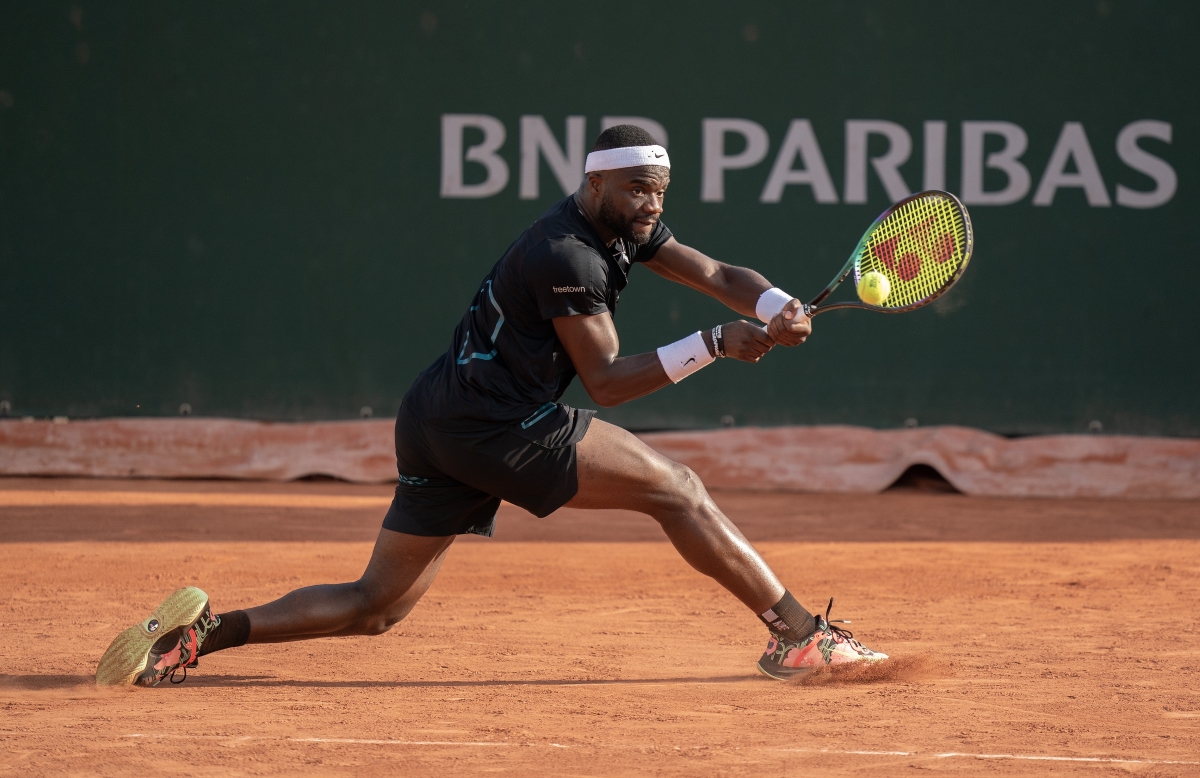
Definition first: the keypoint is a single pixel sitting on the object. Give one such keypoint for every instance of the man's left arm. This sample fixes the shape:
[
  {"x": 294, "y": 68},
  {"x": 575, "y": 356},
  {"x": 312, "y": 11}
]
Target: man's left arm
[{"x": 737, "y": 287}]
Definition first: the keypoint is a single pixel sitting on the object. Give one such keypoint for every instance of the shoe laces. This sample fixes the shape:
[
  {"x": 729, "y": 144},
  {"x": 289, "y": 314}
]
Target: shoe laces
[
  {"x": 176, "y": 669},
  {"x": 827, "y": 623}
]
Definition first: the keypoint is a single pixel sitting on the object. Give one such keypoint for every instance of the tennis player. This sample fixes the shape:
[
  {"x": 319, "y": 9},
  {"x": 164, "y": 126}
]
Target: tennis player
[{"x": 483, "y": 424}]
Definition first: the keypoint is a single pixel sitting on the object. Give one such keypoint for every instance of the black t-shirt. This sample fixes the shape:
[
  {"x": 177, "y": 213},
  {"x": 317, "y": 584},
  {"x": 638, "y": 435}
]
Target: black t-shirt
[{"x": 506, "y": 360}]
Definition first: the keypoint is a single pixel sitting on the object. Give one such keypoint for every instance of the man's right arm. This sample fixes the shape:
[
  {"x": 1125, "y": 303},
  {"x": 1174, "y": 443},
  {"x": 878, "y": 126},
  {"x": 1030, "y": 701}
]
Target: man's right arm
[
  {"x": 737, "y": 287},
  {"x": 591, "y": 342}
]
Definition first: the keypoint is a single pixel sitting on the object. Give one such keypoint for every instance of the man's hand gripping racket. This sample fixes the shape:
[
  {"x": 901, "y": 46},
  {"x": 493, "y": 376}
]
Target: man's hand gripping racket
[{"x": 909, "y": 256}]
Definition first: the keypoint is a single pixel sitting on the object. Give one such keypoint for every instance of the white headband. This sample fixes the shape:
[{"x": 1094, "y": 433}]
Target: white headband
[{"x": 630, "y": 156}]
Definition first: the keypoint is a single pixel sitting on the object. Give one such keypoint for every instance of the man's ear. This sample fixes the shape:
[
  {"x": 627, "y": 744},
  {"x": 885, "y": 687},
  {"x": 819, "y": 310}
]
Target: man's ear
[{"x": 595, "y": 183}]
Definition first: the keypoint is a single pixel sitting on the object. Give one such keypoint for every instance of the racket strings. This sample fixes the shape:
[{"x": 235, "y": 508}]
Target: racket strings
[{"x": 920, "y": 248}]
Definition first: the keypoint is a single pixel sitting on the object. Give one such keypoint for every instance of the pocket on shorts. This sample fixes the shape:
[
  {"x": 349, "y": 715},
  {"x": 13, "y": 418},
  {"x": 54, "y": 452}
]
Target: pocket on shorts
[{"x": 554, "y": 425}]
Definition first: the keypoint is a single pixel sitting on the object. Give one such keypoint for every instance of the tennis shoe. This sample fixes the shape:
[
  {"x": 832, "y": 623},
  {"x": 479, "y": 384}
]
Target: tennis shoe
[
  {"x": 828, "y": 645},
  {"x": 154, "y": 649}
]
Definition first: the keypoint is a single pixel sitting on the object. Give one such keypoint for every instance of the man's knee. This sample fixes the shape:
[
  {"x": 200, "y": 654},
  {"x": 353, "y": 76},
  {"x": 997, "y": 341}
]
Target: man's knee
[
  {"x": 687, "y": 490},
  {"x": 376, "y": 615},
  {"x": 377, "y": 623}
]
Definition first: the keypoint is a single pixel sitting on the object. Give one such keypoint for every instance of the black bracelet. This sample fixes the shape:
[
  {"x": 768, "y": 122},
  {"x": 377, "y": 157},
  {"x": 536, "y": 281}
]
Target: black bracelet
[{"x": 718, "y": 340}]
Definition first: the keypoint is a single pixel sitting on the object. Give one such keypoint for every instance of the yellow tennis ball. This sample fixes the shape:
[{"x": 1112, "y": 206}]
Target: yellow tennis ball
[{"x": 874, "y": 288}]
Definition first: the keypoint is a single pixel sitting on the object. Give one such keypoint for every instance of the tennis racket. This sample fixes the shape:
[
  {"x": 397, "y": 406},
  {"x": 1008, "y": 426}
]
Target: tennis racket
[{"x": 921, "y": 246}]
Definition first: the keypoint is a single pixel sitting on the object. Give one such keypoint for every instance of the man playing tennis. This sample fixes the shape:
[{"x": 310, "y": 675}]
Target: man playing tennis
[{"x": 483, "y": 423}]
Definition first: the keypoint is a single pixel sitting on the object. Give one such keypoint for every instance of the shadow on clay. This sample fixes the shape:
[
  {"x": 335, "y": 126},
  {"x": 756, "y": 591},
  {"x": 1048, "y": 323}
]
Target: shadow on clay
[
  {"x": 59, "y": 682},
  {"x": 895, "y": 670},
  {"x": 251, "y": 680}
]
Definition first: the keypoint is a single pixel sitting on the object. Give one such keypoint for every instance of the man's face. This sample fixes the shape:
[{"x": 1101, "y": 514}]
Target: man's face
[{"x": 631, "y": 200}]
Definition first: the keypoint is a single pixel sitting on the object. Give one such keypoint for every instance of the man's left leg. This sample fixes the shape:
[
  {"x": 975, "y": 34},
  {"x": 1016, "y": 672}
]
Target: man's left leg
[{"x": 616, "y": 470}]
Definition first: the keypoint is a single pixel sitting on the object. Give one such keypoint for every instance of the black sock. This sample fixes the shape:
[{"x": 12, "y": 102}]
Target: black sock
[
  {"x": 788, "y": 618},
  {"x": 233, "y": 631}
]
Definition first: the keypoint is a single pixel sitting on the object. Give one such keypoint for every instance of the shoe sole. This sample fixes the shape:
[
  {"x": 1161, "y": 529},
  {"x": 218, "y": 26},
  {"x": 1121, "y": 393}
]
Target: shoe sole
[
  {"x": 129, "y": 653},
  {"x": 806, "y": 671},
  {"x": 773, "y": 677}
]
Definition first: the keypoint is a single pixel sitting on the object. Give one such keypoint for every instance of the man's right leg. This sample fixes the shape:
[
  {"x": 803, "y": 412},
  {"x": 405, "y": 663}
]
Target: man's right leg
[
  {"x": 400, "y": 571},
  {"x": 182, "y": 628}
]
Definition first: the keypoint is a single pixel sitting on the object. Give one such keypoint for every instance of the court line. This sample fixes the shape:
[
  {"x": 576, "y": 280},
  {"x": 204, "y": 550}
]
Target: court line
[
  {"x": 1034, "y": 758},
  {"x": 369, "y": 742},
  {"x": 1018, "y": 757},
  {"x": 14, "y": 498},
  {"x": 840, "y": 752},
  {"x": 338, "y": 740}
]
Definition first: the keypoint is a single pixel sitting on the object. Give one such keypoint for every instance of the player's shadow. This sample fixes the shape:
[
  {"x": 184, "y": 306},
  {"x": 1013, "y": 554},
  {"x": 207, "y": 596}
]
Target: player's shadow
[
  {"x": 261, "y": 681},
  {"x": 59, "y": 682}
]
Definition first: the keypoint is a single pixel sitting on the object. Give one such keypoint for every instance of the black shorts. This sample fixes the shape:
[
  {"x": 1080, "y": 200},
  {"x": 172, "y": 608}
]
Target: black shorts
[{"x": 452, "y": 481}]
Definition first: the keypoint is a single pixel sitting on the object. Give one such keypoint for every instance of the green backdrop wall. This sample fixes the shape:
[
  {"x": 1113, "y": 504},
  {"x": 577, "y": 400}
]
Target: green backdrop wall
[{"x": 254, "y": 208}]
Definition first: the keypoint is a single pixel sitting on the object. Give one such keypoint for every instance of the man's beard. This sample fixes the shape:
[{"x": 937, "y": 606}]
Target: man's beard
[{"x": 621, "y": 226}]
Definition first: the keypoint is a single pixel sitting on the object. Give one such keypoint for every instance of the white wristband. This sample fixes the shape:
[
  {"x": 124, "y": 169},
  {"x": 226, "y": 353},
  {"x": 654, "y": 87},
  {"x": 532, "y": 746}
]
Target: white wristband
[
  {"x": 684, "y": 357},
  {"x": 770, "y": 303}
]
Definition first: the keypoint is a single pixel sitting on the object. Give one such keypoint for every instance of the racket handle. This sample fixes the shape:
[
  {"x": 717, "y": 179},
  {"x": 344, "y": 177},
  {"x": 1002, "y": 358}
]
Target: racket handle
[
  {"x": 808, "y": 312},
  {"x": 804, "y": 306}
]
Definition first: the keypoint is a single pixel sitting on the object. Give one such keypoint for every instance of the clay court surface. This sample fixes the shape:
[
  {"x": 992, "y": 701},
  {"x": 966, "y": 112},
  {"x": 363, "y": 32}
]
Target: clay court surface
[{"x": 1031, "y": 637}]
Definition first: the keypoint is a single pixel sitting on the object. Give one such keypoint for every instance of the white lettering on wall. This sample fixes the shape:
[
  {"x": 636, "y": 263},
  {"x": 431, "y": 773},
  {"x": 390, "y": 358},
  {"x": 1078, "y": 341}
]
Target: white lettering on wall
[
  {"x": 1144, "y": 162},
  {"x": 538, "y": 141},
  {"x": 799, "y": 141},
  {"x": 800, "y": 161},
  {"x": 935, "y": 155},
  {"x": 656, "y": 130},
  {"x": 1072, "y": 145},
  {"x": 886, "y": 166},
  {"x": 453, "y": 127},
  {"x": 1006, "y": 159},
  {"x": 715, "y": 162}
]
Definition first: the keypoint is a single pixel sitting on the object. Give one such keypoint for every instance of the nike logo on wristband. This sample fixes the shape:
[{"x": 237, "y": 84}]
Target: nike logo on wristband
[{"x": 690, "y": 361}]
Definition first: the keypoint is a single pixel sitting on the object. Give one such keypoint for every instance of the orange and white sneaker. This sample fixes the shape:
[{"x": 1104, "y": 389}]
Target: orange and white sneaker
[
  {"x": 828, "y": 645},
  {"x": 156, "y": 648}
]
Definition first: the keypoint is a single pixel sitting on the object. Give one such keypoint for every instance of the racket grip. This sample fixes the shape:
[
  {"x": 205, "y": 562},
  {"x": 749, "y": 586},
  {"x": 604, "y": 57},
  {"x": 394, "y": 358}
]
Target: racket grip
[{"x": 808, "y": 312}]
